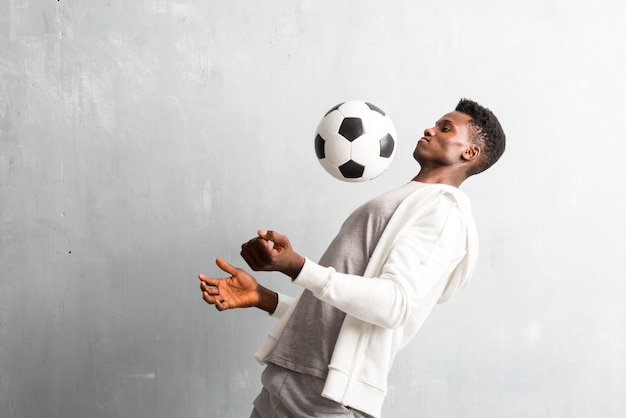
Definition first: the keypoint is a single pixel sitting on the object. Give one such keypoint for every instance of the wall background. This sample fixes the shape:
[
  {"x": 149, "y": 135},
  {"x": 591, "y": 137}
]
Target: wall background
[{"x": 141, "y": 140}]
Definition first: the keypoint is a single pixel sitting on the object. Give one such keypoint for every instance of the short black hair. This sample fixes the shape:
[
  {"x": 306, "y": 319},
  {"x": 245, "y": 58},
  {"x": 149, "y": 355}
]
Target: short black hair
[{"x": 486, "y": 132}]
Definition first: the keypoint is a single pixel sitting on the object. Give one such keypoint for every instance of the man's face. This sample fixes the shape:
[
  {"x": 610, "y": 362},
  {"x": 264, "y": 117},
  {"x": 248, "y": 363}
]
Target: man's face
[{"x": 444, "y": 143}]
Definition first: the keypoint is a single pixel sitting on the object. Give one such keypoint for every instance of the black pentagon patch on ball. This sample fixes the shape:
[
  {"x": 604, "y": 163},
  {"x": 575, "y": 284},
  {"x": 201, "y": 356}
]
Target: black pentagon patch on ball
[
  {"x": 351, "y": 170},
  {"x": 351, "y": 128},
  {"x": 386, "y": 146},
  {"x": 375, "y": 108},
  {"x": 334, "y": 108},
  {"x": 319, "y": 147}
]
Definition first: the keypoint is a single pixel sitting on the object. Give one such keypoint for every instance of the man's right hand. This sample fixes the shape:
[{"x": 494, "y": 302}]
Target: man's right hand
[{"x": 240, "y": 290}]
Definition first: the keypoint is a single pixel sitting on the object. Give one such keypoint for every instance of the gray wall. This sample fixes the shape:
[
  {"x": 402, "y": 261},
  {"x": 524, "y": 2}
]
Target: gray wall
[{"x": 140, "y": 140}]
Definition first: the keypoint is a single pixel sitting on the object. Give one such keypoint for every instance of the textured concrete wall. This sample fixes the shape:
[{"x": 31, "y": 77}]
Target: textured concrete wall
[{"x": 139, "y": 140}]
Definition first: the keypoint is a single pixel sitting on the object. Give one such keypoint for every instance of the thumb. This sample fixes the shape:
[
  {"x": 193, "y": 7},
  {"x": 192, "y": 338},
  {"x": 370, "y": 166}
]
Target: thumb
[
  {"x": 273, "y": 236},
  {"x": 222, "y": 264},
  {"x": 269, "y": 236},
  {"x": 265, "y": 234}
]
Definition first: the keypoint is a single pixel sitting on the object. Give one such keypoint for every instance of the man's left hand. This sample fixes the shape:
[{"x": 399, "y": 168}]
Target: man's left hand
[{"x": 271, "y": 251}]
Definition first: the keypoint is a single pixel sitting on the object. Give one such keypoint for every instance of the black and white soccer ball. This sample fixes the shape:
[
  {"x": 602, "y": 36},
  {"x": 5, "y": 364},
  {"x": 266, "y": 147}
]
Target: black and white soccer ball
[{"x": 355, "y": 141}]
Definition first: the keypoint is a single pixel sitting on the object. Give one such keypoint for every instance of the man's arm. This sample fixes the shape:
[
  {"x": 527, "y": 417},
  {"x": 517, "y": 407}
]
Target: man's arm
[{"x": 420, "y": 258}]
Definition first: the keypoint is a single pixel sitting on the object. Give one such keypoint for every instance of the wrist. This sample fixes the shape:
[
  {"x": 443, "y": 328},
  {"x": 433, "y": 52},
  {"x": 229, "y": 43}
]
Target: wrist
[
  {"x": 268, "y": 300},
  {"x": 294, "y": 267}
]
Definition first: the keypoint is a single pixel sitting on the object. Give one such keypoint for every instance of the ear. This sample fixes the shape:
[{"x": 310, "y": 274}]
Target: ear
[{"x": 471, "y": 153}]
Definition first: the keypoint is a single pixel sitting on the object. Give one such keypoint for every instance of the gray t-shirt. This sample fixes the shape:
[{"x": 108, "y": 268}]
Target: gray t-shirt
[{"x": 306, "y": 345}]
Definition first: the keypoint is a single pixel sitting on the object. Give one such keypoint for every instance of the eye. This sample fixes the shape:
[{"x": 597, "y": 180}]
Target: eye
[{"x": 444, "y": 126}]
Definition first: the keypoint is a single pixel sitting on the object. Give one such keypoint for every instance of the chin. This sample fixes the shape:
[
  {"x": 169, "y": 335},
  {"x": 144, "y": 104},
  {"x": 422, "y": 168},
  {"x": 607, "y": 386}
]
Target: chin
[{"x": 416, "y": 155}]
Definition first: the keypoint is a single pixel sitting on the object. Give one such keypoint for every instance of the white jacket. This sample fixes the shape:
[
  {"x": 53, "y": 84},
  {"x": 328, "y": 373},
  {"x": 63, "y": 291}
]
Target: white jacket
[{"x": 418, "y": 261}]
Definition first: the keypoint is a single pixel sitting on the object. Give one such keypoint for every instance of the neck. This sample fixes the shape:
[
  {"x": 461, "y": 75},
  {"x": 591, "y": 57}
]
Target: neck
[{"x": 436, "y": 176}]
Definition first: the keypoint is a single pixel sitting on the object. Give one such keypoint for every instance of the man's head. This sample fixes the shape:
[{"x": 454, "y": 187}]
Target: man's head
[
  {"x": 485, "y": 132},
  {"x": 462, "y": 143}
]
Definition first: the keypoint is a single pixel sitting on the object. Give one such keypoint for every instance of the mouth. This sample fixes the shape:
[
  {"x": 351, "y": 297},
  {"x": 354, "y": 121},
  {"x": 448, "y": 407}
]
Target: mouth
[{"x": 423, "y": 139}]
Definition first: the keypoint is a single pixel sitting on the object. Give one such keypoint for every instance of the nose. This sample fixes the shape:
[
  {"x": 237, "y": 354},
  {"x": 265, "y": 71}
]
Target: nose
[{"x": 429, "y": 131}]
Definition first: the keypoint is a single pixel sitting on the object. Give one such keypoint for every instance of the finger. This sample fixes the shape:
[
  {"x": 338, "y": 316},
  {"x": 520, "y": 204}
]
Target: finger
[
  {"x": 259, "y": 249},
  {"x": 277, "y": 239},
  {"x": 259, "y": 243},
  {"x": 220, "y": 305},
  {"x": 210, "y": 281},
  {"x": 246, "y": 255},
  {"x": 269, "y": 234},
  {"x": 266, "y": 235},
  {"x": 254, "y": 256},
  {"x": 211, "y": 300},
  {"x": 208, "y": 289},
  {"x": 249, "y": 259},
  {"x": 222, "y": 264}
]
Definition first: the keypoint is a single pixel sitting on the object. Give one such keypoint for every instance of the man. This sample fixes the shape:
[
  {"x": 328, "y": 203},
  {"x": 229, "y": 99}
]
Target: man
[{"x": 394, "y": 258}]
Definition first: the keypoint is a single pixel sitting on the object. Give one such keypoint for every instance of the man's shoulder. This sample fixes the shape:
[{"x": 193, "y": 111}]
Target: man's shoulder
[
  {"x": 444, "y": 196},
  {"x": 437, "y": 194},
  {"x": 435, "y": 205}
]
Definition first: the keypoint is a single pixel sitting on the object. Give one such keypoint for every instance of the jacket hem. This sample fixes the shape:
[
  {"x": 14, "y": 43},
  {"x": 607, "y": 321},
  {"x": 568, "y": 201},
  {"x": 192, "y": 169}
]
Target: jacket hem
[{"x": 354, "y": 393}]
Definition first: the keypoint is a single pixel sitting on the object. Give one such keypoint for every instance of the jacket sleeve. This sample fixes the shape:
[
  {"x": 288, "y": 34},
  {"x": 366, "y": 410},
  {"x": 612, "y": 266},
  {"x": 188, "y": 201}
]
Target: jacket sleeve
[
  {"x": 284, "y": 302},
  {"x": 422, "y": 255}
]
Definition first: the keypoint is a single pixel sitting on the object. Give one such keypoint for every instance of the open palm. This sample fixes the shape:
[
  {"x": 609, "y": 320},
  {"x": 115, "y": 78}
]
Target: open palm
[{"x": 238, "y": 291}]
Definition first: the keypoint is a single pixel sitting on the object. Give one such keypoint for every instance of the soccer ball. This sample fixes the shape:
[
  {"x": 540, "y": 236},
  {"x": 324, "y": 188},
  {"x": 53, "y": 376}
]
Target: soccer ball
[{"x": 355, "y": 141}]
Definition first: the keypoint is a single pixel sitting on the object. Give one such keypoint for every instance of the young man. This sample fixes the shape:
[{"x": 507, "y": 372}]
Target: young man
[{"x": 394, "y": 258}]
